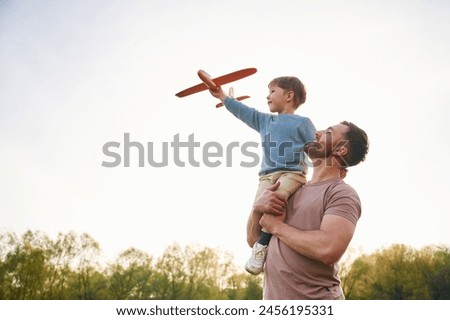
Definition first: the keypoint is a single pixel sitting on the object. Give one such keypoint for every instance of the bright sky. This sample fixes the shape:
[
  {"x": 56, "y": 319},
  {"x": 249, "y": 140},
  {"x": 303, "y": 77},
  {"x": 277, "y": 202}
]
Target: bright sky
[{"x": 75, "y": 75}]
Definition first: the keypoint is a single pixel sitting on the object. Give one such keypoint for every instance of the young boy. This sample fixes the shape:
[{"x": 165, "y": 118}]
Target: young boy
[{"x": 283, "y": 136}]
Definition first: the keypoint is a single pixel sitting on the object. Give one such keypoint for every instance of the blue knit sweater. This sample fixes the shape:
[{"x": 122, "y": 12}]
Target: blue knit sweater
[{"x": 283, "y": 136}]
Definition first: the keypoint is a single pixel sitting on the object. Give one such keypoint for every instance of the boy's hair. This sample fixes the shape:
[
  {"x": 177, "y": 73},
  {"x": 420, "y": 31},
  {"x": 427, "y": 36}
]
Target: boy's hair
[
  {"x": 358, "y": 143},
  {"x": 292, "y": 84}
]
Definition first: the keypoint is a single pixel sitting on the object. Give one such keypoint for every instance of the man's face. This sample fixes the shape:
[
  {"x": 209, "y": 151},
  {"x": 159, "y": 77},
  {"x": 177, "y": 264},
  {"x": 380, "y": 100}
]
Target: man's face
[{"x": 326, "y": 142}]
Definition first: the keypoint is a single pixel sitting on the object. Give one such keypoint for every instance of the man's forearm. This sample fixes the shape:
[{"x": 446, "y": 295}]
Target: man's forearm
[
  {"x": 312, "y": 244},
  {"x": 326, "y": 244},
  {"x": 253, "y": 228}
]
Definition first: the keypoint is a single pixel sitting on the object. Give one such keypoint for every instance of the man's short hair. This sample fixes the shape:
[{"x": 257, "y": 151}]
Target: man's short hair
[{"x": 358, "y": 144}]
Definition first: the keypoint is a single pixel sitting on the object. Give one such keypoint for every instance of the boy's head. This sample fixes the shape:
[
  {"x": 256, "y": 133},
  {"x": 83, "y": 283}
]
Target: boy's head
[{"x": 292, "y": 84}]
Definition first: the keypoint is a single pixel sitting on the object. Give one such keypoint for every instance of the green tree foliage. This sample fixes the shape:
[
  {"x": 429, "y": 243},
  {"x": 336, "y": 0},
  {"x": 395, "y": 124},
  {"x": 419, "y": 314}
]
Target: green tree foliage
[
  {"x": 399, "y": 273},
  {"x": 33, "y": 266},
  {"x": 70, "y": 267},
  {"x": 130, "y": 277},
  {"x": 22, "y": 266},
  {"x": 244, "y": 287}
]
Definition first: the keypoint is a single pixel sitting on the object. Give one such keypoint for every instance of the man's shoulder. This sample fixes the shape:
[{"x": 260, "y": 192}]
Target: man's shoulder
[
  {"x": 340, "y": 186},
  {"x": 344, "y": 201},
  {"x": 333, "y": 187}
]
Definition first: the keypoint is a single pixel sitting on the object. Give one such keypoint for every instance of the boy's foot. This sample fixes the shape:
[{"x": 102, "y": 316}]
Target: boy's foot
[{"x": 255, "y": 264}]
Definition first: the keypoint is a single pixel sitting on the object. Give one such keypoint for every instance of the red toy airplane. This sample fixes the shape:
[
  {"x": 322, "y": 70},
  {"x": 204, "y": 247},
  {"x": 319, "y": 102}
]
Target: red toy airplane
[{"x": 213, "y": 84}]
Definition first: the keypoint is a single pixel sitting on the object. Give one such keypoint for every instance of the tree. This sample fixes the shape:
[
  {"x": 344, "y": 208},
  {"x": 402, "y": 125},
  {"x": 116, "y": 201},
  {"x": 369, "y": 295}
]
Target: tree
[
  {"x": 60, "y": 254},
  {"x": 434, "y": 265},
  {"x": 88, "y": 281},
  {"x": 24, "y": 267},
  {"x": 131, "y": 276},
  {"x": 170, "y": 278},
  {"x": 400, "y": 272},
  {"x": 192, "y": 274},
  {"x": 242, "y": 286}
]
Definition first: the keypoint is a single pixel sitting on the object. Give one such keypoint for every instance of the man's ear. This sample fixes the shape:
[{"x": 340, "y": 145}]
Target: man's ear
[{"x": 340, "y": 151}]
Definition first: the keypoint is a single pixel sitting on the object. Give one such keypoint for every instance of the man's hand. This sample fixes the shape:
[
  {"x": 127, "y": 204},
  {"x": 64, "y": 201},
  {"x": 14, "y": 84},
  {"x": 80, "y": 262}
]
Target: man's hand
[
  {"x": 270, "y": 201},
  {"x": 270, "y": 221}
]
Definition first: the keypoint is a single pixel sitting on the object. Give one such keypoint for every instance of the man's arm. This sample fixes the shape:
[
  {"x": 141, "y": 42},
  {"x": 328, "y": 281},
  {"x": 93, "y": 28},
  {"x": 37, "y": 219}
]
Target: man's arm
[
  {"x": 269, "y": 202},
  {"x": 327, "y": 244}
]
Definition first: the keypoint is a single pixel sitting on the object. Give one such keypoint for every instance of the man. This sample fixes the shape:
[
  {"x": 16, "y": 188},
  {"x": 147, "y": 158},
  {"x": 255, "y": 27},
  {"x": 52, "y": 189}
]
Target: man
[{"x": 321, "y": 218}]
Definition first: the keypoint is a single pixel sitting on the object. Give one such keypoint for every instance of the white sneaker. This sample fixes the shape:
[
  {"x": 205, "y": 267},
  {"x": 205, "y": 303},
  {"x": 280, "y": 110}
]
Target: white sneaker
[{"x": 255, "y": 264}]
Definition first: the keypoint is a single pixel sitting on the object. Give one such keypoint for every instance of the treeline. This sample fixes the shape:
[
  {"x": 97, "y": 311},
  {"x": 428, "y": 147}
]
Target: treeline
[
  {"x": 399, "y": 273},
  {"x": 33, "y": 266}
]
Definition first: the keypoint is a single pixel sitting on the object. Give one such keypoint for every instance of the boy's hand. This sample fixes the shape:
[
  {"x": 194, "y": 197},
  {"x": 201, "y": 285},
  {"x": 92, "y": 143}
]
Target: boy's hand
[{"x": 220, "y": 94}]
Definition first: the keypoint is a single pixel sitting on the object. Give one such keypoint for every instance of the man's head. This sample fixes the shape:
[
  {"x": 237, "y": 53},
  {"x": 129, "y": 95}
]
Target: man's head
[
  {"x": 345, "y": 143},
  {"x": 358, "y": 144},
  {"x": 291, "y": 84}
]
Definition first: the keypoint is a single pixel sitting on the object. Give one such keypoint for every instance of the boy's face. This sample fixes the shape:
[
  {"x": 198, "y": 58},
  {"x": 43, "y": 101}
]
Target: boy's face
[{"x": 277, "y": 99}]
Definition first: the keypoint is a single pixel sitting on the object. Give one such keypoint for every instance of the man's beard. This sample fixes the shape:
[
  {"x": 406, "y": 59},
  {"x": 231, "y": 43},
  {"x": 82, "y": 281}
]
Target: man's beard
[{"x": 315, "y": 150}]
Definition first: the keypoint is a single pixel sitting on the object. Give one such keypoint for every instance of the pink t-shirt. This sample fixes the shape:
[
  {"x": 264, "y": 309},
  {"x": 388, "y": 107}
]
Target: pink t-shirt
[{"x": 290, "y": 275}]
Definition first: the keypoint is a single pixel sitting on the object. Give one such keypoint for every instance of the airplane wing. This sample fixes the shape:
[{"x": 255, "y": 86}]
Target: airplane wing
[
  {"x": 218, "y": 81},
  {"x": 192, "y": 90}
]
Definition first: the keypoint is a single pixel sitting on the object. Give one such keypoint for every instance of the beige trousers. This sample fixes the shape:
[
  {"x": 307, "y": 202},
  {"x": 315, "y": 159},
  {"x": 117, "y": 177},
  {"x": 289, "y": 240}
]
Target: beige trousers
[{"x": 290, "y": 181}]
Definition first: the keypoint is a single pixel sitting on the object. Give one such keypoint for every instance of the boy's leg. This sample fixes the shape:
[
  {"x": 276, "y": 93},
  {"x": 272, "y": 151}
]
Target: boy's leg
[
  {"x": 264, "y": 182},
  {"x": 255, "y": 263},
  {"x": 289, "y": 184}
]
